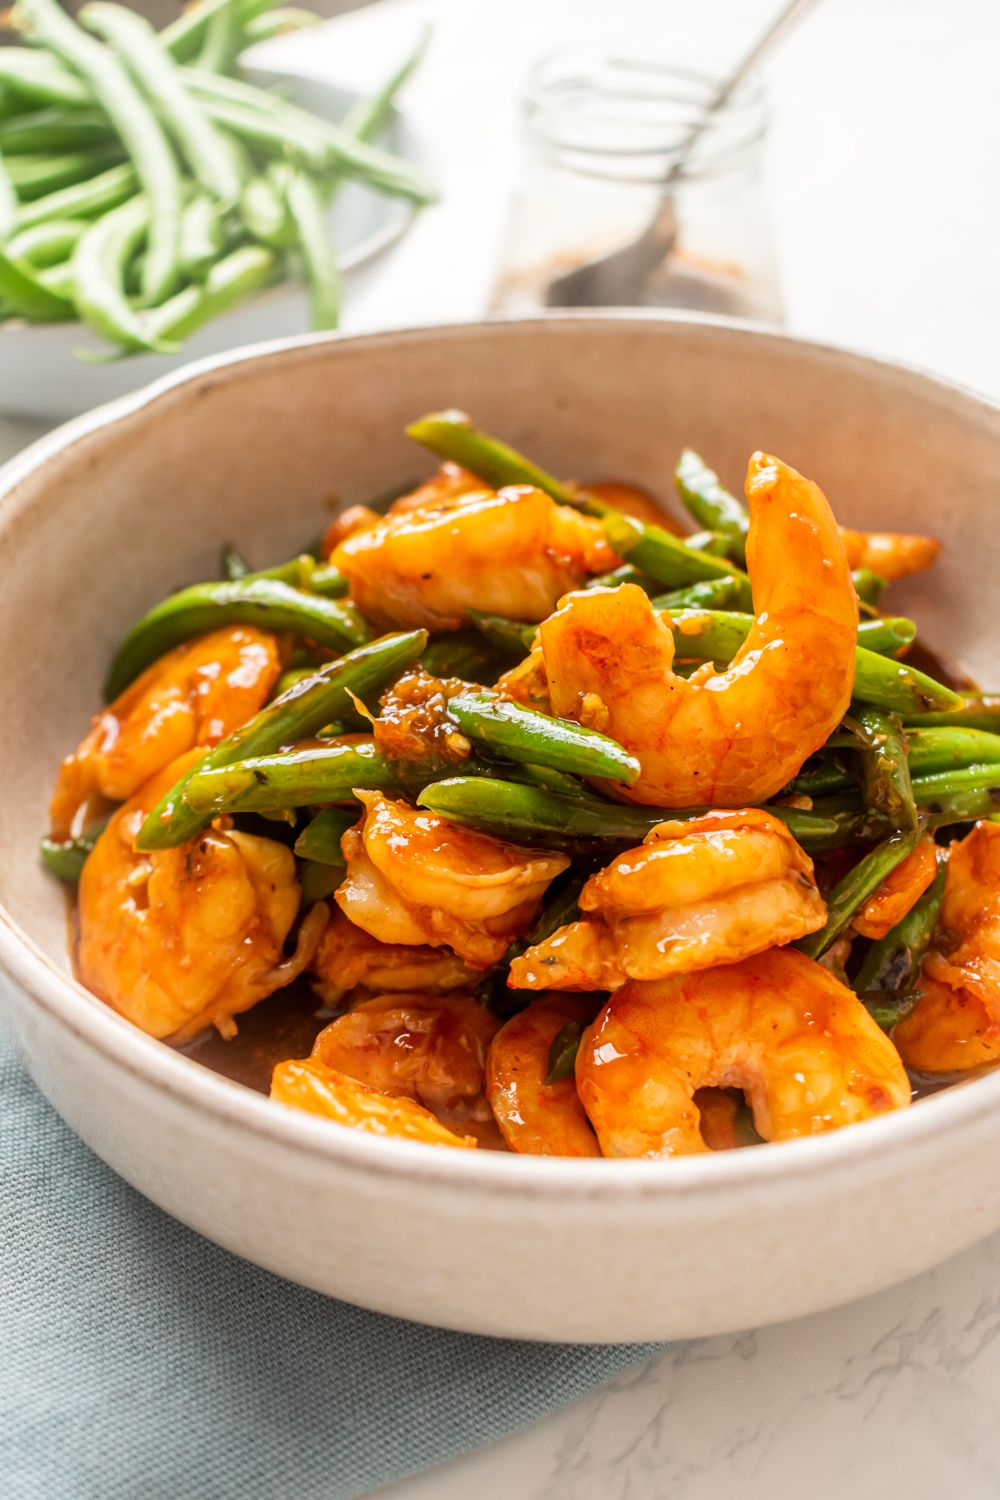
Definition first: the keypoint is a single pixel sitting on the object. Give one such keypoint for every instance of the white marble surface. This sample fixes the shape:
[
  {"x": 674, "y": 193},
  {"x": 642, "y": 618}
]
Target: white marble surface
[{"x": 884, "y": 168}]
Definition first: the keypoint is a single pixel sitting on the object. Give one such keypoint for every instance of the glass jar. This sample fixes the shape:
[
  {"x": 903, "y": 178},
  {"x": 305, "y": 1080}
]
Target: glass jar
[{"x": 619, "y": 206}]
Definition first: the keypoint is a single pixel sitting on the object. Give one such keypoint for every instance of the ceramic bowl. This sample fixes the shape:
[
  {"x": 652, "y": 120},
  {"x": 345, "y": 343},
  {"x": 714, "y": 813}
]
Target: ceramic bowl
[
  {"x": 40, "y": 374},
  {"x": 101, "y": 519}
]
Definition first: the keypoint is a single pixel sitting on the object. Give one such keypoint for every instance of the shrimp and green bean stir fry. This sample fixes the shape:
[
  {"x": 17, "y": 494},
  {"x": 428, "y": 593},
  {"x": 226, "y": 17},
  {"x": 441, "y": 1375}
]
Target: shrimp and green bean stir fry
[{"x": 594, "y": 835}]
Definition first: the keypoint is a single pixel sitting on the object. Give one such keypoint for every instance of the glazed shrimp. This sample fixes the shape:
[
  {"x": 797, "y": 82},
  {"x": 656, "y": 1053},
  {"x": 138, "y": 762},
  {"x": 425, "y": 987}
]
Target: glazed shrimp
[
  {"x": 536, "y": 1117},
  {"x": 899, "y": 891},
  {"x": 185, "y": 938},
  {"x": 800, "y": 1045},
  {"x": 448, "y": 486},
  {"x": 308, "y": 1085},
  {"x": 515, "y": 553},
  {"x": 349, "y": 959},
  {"x": 428, "y": 1048},
  {"x": 195, "y": 695},
  {"x": 888, "y": 553},
  {"x": 416, "y": 879},
  {"x": 738, "y": 736},
  {"x": 694, "y": 895},
  {"x": 956, "y": 1025}
]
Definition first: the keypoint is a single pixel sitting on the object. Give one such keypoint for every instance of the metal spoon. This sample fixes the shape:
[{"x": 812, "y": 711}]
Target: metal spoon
[{"x": 616, "y": 279}]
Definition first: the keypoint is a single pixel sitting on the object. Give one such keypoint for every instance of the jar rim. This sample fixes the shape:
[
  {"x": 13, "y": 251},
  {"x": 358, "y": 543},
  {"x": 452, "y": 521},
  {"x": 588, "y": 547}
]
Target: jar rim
[{"x": 616, "y": 76}]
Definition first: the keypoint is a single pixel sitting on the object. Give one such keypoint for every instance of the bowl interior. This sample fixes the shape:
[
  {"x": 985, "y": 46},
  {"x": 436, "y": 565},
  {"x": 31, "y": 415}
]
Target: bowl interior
[{"x": 100, "y": 521}]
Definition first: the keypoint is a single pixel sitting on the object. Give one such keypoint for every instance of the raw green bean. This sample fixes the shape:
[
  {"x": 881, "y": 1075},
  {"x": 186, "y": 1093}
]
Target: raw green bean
[
  {"x": 46, "y": 244},
  {"x": 8, "y": 201},
  {"x": 141, "y": 133},
  {"x": 135, "y": 43},
  {"x": 222, "y": 43},
  {"x": 84, "y": 200},
  {"x": 322, "y": 697},
  {"x": 856, "y": 887},
  {"x": 184, "y": 37},
  {"x": 99, "y": 264},
  {"x": 975, "y": 711},
  {"x": 885, "y": 768},
  {"x": 264, "y": 211},
  {"x": 711, "y": 504},
  {"x": 201, "y": 236},
  {"x": 41, "y": 78},
  {"x": 26, "y": 296},
  {"x": 522, "y": 734},
  {"x": 305, "y": 201},
  {"x": 60, "y": 281},
  {"x": 66, "y": 858},
  {"x": 367, "y": 118},
  {"x": 263, "y": 28},
  {"x": 263, "y": 602},
  {"x": 320, "y": 839},
  {"x": 56, "y": 128},
  {"x": 237, "y": 276},
  {"x": 36, "y": 175},
  {"x": 893, "y": 962}
]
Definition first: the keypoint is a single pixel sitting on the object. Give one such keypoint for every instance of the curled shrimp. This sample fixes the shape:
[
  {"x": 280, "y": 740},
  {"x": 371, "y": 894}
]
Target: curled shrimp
[
  {"x": 694, "y": 895},
  {"x": 891, "y": 554},
  {"x": 514, "y": 553},
  {"x": 733, "y": 737},
  {"x": 428, "y": 1048},
  {"x": 304, "y": 1083},
  {"x": 416, "y": 879},
  {"x": 799, "y": 1044},
  {"x": 349, "y": 959},
  {"x": 194, "y": 695},
  {"x": 448, "y": 486},
  {"x": 181, "y": 939},
  {"x": 537, "y": 1117},
  {"x": 956, "y": 1024},
  {"x": 900, "y": 890}
]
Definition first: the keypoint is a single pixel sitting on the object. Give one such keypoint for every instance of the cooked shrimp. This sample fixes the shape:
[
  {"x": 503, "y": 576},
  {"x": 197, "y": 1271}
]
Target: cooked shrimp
[
  {"x": 890, "y": 554},
  {"x": 540, "y": 1118},
  {"x": 448, "y": 486},
  {"x": 195, "y": 695},
  {"x": 799, "y": 1044},
  {"x": 308, "y": 1085},
  {"x": 900, "y": 890},
  {"x": 733, "y": 737},
  {"x": 428, "y": 1048},
  {"x": 956, "y": 1025},
  {"x": 513, "y": 553},
  {"x": 349, "y": 959},
  {"x": 696, "y": 894},
  {"x": 414, "y": 878},
  {"x": 185, "y": 938}
]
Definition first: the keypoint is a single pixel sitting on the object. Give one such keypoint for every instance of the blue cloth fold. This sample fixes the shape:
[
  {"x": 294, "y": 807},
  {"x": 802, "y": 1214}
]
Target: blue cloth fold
[{"x": 140, "y": 1360}]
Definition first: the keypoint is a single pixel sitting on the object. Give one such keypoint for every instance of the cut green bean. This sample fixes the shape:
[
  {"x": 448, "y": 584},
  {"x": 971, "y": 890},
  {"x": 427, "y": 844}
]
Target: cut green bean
[
  {"x": 319, "y": 699},
  {"x": 133, "y": 40},
  {"x": 669, "y": 560},
  {"x": 885, "y": 767},
  {"x": 975, "y": 711},
  {"x": 464, "y": 654},
  {"x": 320, "y": 840},
  {"x": 510, "y": 637},
  {"x": 305, "y": 200},
  {"x": 454, "y": 437},
  {"x": 711, "y": 504},
  {"x": 626, "y": 573},
  {"x": 317, "y": 881},
  {"x": 298, "y": 778},
  {"x": 931, "y": 751},
  {"x": 856, "y": 886},
  {"x": 546, "y": 777},
  {"x": 710, "y": 593},
  {"x": 184, "y": 37},
  {"x": 522, "y": 734},
  {"x": 893, "y": 962},
  {"x": 207, "y": 606},
  {"x": 869, "y": 586},
  {"x": 232, "y": 565},
  {"x": 562, "y": 1053},
  {"x": 147, "y": 146},
  {"x": 66, "y": 858}
]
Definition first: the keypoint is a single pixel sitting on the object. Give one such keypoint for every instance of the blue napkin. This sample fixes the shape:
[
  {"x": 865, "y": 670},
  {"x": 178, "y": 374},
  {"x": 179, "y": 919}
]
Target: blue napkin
[{"x": 137, "y": 1359}]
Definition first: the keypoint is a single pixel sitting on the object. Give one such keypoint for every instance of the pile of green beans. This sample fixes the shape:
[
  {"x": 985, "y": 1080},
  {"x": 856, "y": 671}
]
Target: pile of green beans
[{"x": 146, "y": 188}]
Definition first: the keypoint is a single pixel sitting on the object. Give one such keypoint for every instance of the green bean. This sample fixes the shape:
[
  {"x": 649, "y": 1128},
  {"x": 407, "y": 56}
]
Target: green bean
[
  {"x": 931, "y": 750},
  {"x": 41, "y": 78},
  {"x": 367, "y": 118},
  {"x": 626, "y": 573},
  {"x": 317, "y": 881},
  {"x": 38, "y": 174},
  {"x": 546, "y": 777},
  {"x": 26, "y": 296},
  {"x": 508, "y": 636},
  {"x": 60, "y": 281},
  {"x": 522, "y": 734},
  {"x": 56, "y": 128},
  {"x": 946, "y": 797},
  {"x": 206, "y": 606},
  {"x": 711, "y": 504},
  {"x": 320, "y": 698},
  {"x": 201, "y": 236},
  {"x": 562, "y": 1053},
  {"x": 893, "y": 962},
  {"x": 133, "y": 40},
  {"x": 885, "y": 768},
  {"x": 264, "y": 211},
  {"x": 148, "y": 148},
  {"x": 184, "y": 37},
  {"x": 263, "y": 28},
  {"x": 8, "y": 201},
  {"x": 669, "y": 560},
  {"x": 857, "y": 885},
  {"x": 99, "y": 265},
  {"x": 238, "y": 275},
  {"x": 320, "y": 840},
  {"x": 84, "y": 200},
  {"x": 717, "y": 635},
  {"x": 561, "y": 905},
  {"x": 894, "y": 685},
  {"x": 454, "y": 437},
  {"x": 868, "y": 586},
  {"x": 465, "y": 654},
  {"x": 975, "y": 711},
  {"x": 305, "y": 201},
  {"x": 66, "y": 858},
  {"x": 710, "y": 593},
  {"x": 46, "y": 244},
  {"x": 232, "y": 564},
  {"x": 298, "y": 778},
  {"x": 222, "y": 42}
]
